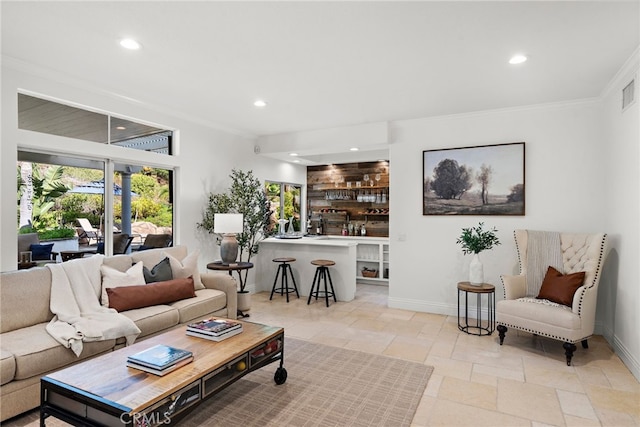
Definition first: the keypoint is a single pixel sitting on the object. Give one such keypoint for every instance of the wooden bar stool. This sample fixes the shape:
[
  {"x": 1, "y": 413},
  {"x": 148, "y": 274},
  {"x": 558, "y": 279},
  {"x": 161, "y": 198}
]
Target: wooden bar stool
[
  {"x": 284, "y": 284},
  {"x": 322, "y": 272}
]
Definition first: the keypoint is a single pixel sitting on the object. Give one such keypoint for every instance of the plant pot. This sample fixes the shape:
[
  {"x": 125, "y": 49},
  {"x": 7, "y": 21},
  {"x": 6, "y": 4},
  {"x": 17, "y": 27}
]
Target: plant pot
[
  {"x": 244, "y": 301},
  {"x": 476, "y": 274}
]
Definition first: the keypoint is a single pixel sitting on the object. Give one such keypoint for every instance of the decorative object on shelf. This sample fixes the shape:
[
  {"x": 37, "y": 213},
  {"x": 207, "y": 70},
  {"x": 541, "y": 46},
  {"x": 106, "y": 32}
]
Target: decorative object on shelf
[
  {"x": 369, "y": 272},
  {"x": 246, "y": 196},
  {"x": 461, "y": 181},
  {"x": 473, "y": 241},
  {"x": 228, "y": 225},
  {"x": 281, "y": 225}
]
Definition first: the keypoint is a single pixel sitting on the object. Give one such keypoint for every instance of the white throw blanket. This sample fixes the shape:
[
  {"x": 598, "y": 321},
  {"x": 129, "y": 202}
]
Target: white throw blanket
[
  {"x": 543, "y": 250},
  {"x": 79, "y": 317}
]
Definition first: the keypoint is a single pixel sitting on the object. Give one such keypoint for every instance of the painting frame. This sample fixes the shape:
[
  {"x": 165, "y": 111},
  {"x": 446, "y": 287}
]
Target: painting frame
[{"x": 474, "y": 180}]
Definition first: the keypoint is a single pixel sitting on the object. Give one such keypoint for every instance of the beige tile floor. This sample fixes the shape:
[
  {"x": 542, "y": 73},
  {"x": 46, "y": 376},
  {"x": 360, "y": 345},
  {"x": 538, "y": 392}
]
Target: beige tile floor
[{"x": 476, "y": 382}]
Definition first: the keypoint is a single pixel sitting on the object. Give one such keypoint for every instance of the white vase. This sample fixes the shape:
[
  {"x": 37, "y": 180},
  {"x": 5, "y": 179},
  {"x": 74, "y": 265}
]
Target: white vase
[{"x": 476, "y": 275}]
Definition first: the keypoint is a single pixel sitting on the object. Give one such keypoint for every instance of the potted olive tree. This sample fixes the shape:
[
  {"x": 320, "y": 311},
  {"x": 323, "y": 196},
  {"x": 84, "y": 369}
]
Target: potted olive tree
[
  {"x": 473, "y": 241},
  {"x": 245, "y": 196}
]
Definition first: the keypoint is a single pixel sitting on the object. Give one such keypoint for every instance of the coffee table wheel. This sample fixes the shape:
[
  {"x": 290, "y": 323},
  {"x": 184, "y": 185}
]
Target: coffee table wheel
[{"x": 280, "y": 377}]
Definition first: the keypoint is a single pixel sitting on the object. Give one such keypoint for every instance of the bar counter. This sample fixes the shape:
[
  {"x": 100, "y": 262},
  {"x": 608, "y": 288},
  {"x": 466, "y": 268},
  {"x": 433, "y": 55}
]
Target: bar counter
[{"x": 340, "y": 249}]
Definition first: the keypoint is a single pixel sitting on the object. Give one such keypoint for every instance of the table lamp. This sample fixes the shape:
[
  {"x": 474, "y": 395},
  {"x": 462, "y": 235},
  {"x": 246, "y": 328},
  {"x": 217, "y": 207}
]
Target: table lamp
[{"x": 228, "y": 225}]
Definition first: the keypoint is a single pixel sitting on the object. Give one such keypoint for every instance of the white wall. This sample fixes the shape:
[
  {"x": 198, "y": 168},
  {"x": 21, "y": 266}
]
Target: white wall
[
  {"x": 206, "y": 155},
  {"x": 619, "y": 293},
  {"x": 562, "y": 154},
  {"x": 581, "y": 176}
]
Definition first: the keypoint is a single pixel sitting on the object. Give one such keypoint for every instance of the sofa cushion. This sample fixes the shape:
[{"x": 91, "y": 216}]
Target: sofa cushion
[
  {"x": 161, "y": 272},
  {"x": 129, "y": 297},
  {"x": 187, "y": 267},
  {"x": 153, "y": 319},
  {"x": 153, "y": 256},
  {"x": 112, "y": 278},
  {"x": 560, "y": 288},
  {"x": 25, "y": 288},
  {"x": 41, "y": 252},
  {"x": 119, "y": 262},
  {"x": 7, "y": 366},
  {"x": 36, "y": 352},
  {"x": 206, "y": 301}
]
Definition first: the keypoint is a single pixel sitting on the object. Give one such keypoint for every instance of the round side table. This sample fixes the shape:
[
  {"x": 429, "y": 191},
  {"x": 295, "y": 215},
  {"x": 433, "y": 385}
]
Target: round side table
[{"x": 479, "y": 290}]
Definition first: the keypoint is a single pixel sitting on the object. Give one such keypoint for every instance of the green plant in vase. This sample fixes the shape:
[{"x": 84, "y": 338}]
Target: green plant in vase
[
  {"x": 473, "y": 241},
  {"x": 245, "y": 196}
]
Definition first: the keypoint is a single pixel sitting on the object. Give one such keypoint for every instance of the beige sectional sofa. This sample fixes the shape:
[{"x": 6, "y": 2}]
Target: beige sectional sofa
[{"x": 28, "y": 352}]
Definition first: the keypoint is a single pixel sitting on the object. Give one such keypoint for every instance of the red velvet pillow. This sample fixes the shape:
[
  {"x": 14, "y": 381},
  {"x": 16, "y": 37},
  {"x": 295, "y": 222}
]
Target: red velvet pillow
[
  {"x": 560, "y": 288},
  {"x": 129, "y": 297}
]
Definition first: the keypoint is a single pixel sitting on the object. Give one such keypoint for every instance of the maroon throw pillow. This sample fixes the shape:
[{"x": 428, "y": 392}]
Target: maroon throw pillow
[
  {"x": 559, "y": 288},
  {"x": 129, "y": 297}
]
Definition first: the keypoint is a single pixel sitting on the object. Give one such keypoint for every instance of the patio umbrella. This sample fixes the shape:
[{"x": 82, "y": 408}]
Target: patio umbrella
[{"x": 97, "y": 187}]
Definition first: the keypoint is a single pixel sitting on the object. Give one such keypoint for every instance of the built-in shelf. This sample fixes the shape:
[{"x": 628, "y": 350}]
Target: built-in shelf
[{"x": 373, "y": 255}]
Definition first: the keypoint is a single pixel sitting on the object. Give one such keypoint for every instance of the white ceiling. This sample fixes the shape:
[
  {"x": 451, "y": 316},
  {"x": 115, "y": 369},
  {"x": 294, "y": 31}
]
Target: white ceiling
[{"x": 327, "y": 64}]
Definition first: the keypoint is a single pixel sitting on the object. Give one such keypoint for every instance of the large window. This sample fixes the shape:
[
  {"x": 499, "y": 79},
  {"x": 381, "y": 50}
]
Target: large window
[
  {"x": 58, "y": 191},
  {"x": 62, "y": 197},
  {"x": 286, "y": 203}
]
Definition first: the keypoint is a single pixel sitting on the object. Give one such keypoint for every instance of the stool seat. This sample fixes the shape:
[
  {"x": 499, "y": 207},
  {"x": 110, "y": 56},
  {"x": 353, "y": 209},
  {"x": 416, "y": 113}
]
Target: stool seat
[
  {"x": 322, "y": 273},
  {"x": 284, "y": 280},
  {"x": 323, "y": 262}
]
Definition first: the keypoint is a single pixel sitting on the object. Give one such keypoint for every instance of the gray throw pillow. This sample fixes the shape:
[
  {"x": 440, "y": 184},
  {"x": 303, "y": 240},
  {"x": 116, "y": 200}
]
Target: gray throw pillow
[{"x": 161, "y": 272}]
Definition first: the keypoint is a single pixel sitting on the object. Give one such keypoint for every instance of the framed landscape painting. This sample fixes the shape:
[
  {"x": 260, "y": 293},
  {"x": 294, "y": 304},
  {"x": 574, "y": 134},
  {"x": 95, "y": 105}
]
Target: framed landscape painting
[{"x": 482, "y": 180}]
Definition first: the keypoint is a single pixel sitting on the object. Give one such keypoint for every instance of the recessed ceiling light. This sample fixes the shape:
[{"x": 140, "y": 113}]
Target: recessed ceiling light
[
  {"x": 130, "y": 44},
  {"x": 260, "y": 103},
  {"x": 296, "y": 161},
  {"x": 293, "y": 154},
  {"x": 517, "y": 59},
  {"x": 120, "y": 127},
  {"x": 354, "y": 149}
]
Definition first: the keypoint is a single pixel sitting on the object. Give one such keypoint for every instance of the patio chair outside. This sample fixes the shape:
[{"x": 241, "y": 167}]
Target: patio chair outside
[
  {"x": 156, "y": 241},
  {"x": 87, "y": 231}
]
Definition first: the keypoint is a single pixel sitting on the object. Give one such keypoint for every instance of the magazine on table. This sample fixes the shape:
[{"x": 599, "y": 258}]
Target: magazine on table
[
  {"x": 215, "y": 326},
  {"x": 160, "y": 357},
  {"x": 160, "y": 372},
  {"x": 218, "y": 337}
]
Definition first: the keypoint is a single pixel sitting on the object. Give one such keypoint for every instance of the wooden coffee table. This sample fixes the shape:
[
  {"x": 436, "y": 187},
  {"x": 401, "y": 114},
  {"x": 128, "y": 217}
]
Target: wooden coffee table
[{"x": 104, "y": 391}]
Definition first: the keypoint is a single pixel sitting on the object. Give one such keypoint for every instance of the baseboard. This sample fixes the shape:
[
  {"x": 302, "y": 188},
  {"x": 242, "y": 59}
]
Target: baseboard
[
  {"x": 623, "y": 353},
  {"x": 423, "y": 306}
]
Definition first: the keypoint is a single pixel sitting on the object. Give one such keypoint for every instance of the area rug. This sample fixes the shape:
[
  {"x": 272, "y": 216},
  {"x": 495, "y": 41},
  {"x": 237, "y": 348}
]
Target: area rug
[{"x": 326, "y": 386}]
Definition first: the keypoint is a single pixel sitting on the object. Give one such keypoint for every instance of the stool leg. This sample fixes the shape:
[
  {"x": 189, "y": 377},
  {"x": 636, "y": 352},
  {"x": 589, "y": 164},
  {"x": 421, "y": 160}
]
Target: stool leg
[
  {"x": 285, "y": 281},
  {"x": 326, "y": 291},
  {"x": 274, "y": 284},
  {"x": 312, "y": 285},
  {"x": 295, "y": 287},
  {"x": 331, "y": 283}
]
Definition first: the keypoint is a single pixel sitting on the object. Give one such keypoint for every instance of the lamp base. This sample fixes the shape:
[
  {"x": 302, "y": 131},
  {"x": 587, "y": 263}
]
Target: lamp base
[{"x": 229, "y": 249}]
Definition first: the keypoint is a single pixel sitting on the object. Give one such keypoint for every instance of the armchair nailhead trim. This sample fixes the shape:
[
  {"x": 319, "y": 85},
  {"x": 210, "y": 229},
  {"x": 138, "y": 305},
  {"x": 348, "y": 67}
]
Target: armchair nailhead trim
[
  {"x": 555, "y": 337},
  {"x": 518, "y": 252},
  {"x": 596, "y": 278}
]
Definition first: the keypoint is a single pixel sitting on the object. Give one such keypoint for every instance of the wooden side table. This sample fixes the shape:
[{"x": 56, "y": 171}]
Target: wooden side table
[
  {"x": 479, "y": 291},
  {"x": 69, "y": 255}
]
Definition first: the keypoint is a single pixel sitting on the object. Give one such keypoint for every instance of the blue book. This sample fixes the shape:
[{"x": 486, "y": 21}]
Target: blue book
[{"x": 160, "y": 356}]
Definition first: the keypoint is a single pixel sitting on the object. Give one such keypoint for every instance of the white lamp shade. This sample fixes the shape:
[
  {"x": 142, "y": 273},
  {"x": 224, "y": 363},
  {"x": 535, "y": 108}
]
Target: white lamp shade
[{"x": 228, "y": 223}]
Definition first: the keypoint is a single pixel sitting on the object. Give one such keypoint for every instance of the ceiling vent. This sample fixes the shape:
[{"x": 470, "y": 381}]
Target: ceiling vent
[{"x": 628, "y": 94}]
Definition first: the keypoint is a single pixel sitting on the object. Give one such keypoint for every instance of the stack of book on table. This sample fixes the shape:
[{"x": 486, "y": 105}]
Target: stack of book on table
[
  {"x": 160, "y": 359},
  {"x": 215, "y": 328}
]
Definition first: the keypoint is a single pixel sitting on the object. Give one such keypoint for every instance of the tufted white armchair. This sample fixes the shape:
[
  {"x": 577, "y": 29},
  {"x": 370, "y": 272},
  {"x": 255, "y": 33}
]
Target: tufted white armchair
[{"x": 520, "y": 308}]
